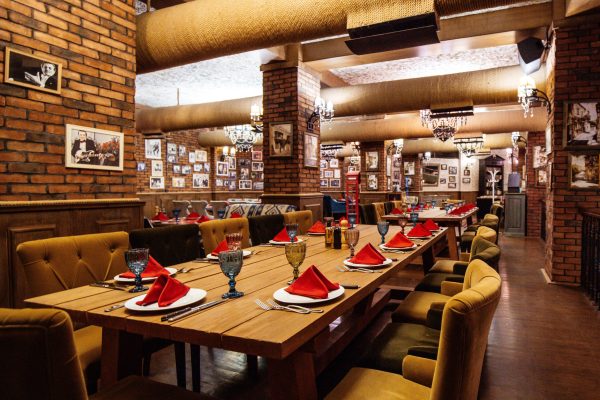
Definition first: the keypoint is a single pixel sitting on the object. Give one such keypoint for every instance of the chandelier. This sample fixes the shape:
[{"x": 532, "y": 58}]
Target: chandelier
[
  {"x": 329, "y": 151},
  {"x": 530, "y": 97},
  {"x": 445, "y": 123},
  {"x": 468, "y": 146},
  {"x": 243, "y": 137},
  {"x": 323, "y": 113},
  {"x": 256, "y": 116}
]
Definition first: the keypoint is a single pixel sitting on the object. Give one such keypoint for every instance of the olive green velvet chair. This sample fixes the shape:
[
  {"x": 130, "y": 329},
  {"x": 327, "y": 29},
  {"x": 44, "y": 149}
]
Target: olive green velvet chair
[
  {"x": 40, "y": 361},
  {"x": 466, "y": 321},
  {"x": 489, "y": 220}
]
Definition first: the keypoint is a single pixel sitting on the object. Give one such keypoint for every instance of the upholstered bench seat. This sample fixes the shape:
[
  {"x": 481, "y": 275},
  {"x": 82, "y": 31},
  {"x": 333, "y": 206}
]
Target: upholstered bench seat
[
  {"x": 253, "y": 210},
  {"x": 415, "y": 306}
]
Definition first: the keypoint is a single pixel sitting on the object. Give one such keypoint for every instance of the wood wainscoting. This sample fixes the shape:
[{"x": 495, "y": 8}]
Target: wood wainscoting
[{"x": 31, "y": 220}]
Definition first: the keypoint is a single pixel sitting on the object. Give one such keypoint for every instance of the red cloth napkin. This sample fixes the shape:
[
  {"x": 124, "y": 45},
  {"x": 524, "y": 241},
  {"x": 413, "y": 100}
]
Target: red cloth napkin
[
  {"x": 430, "y": 225},
  {"x": 282, "y": 236},
  {"x": 368, "y": 255},
  {"x": 235, "y": 215},
  {"x": 318, "y": 227},
  {"x": 161, "y": 216},
  {"x": 193, "y": 215},
  {"x": 152, "y": 270},
  {"x": 396, "y": 211},
  {"x": 202, "y": 219},
  {"x": 165, "y": 291},
  {"x": 220, "y": 247},
  {"x": 312, "y": 283},
  {"x": 399, "y": 241},
  {"x": 419, "y": 231},
  {"x": 458, "y": 211}
]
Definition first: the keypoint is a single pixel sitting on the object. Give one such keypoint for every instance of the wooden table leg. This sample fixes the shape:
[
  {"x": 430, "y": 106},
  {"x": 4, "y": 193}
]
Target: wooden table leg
[
  {"x": 452, "y": 246},
  {"x": 292, "y": 378},
  {"x": 121, "y": 356},
  {"x": 428, "y": 259}
]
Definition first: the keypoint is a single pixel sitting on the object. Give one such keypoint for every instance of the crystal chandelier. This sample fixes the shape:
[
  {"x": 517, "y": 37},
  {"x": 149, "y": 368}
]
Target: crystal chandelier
[
  {"x": 323, "y": 113},
  {"x": 530, "y": 97},
  {"x": 468, "y": 146},
  {"x": 329, "y": 151},
  {"x": 243, "y": 137},
  {"x": 445, "y": 123},
  {"x": 256, "y": 116}
]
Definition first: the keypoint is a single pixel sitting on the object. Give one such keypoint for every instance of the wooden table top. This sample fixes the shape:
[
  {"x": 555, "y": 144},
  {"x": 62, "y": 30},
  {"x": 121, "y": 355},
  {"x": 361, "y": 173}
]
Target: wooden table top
[
  {"x": 239, "y": 324},
  {"x": 435, "y": 214}
]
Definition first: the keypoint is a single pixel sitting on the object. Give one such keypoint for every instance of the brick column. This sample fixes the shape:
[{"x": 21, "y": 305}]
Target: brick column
[
  {"x": 289, "y": 93},
  {"x": 535, "y": 193}
]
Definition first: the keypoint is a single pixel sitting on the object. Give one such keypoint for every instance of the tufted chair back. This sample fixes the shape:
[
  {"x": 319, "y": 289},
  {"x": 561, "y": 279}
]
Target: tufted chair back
[
  {"x": 169, "y": 245},
  {"x": 388, "y": 207},
  {"x": 200, "y": 207},
  {"x": 368, "y": 215},
  {"x": 379, "y": 211},
  {"x": 487, "y": 233},
  {"x": 213, "y": 232},
  {"x": 304, "y": 219},
  {"x": 482, "y": 249},
  {"x": 39, "y": 359},
  {"x": 264, "y": 227},
  {"x": 60, "y": 263},
  {"x": 397, "y": 204}
]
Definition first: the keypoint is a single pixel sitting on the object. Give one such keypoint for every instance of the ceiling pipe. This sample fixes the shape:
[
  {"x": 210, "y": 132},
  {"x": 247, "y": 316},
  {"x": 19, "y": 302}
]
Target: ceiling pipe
[{"x": 493, "y": 86}]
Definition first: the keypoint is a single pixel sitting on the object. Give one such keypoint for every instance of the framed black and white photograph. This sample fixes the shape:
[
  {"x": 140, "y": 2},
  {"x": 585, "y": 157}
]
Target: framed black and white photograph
[
  {"x": 259, "y": 185},
  {"x": 197, "y": 167},
  {"x": 452, "y": 179},
  {"x": 27, "y": 70},
  {"x": 582, "y": 124},
  {"x": 396, "y": 175},
  {"x": 232, "y": 174},
  {"x": 206, "y": 167},
  {"x": 397, "y": 162},
  {"x": 157, "y": 168},
  {"x": 222, "y": 169},
  {"x": 541, "y": 177},
  {"x": 141, "y": 166},
  {"x": 431, "y": 175},
  {"x": 171, "y": 158},
  {"x": 231, "y": 184},
  {"x": 443, "y": 181},
  {"x": 218, "y": 182},
  {"x": 178, "y": 182},
  {"x": 324, "y": 182},
  {"x": 201, "y": 156},
  {"x": 186, "y": 169},
  {"x": 244, "y": 173},
  {"x": 245, "y": 184},
  {"x": 152, "y": 149},
  {"x": 372, "y": 160},
  {"x": 192, "y": 157},
  {"x": 409, "y": 168},
  {"x": 335, "y": 183},
  {"x": 353, "y": 168},
  {"x": 281, "y": 139},
  {"x": 466, "y": 181},
  {"x": 172, "y": 149},
  {"x": 93, "y": 148},
  {"x": 256, "y": 155},
  {"x": 176, "y": 168},
  {"x": 257, "y": 166},
  {"x": 244, "y": 163},
  {"x": 372, "y": 182},
  {"x": 539, "y": 156},
  {"x": 337, "y": 173},
  {"x": 584, "y": 171},
  {"x": 467, "y": 172},
  {"x": 388, "y": 166},
  {"x": 231, "y": 162},
  {"x": 323, "y": 164},
  {"x": 443, "y": 167},
  {"x": 452, "y": 171},
  {"x": 182, "y": 150},
  {"x": 157, "y": 182},
  {"x": 328, "y": 173},
  {"x": 452, "y": 186},
  {"x": 311, "y": 150},
  {"x": 200, "y": 181},
  {"x": 334, "y": 163}
]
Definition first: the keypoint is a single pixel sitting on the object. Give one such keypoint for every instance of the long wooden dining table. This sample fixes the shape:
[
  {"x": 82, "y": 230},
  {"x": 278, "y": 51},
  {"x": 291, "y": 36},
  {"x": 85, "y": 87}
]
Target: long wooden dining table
[{"x": 297, "y": 347}]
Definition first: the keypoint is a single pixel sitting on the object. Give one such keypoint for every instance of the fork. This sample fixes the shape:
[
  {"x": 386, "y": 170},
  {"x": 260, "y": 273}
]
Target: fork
[
  {"x": 185, "y": 270},
  {"x": 292, "y": 307},
  {"x": 267, "y": 307},
  {"x": 364, "y": 270}
]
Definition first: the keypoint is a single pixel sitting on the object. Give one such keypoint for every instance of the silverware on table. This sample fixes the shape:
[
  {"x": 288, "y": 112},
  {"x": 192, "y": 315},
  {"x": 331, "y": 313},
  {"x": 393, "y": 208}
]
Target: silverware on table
[
  {"x": 176, "y": 315},
  {"x": 349, "y": 286},
  {"x": 268, "y": 307},
  {"x": 292, "y": 306},
  {"x": 108, "y": 285},
  {"x": 114, "y": 307},
  {"x": 364, "y": 270}
]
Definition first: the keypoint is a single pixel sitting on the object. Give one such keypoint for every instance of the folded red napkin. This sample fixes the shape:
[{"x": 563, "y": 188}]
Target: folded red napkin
[
  {"x": 396, "y": 211},
  {"x": 282, "y": 236},
  {"x": 161, "y": 216},
  {"x": 368, "y": 255},
  {"x": 220, "y": 247},
  {"x": 152, "y": 270},
  {"x": 419, "y": 231},
  {"x": 430, "y": 225},
  {"x": 318, "y": 227},
  {"x": 399, "y": 241},
  {"x": 202, "y": 219},
  {"x": 165, "y": 290},
  {"x": 235, "y": 215},
  {"x": 457, "y": 211},
  {"x": 193, "y": 215},
  {"x": 312, "y": 283}
]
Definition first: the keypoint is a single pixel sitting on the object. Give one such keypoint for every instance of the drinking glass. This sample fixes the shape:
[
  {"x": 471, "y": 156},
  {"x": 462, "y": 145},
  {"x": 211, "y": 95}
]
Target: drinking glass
[
  {"x": 382, "y": 228},
  {"x": 234, "y": 240},
  {"x": 414, "y": 217},
  {"x": 292, "y": 231},
  {"x": 433, "y": 203},
  {"x": 328, "y": 221},
  {"x": 352, "y": 236},
  {"x": 137, "y": 260},
  {"x": 403, "y": 221},
  {"x": 295, "y": 253},
  {"x": 176, "y": 213},
  {"x": 231, "y": 264}
]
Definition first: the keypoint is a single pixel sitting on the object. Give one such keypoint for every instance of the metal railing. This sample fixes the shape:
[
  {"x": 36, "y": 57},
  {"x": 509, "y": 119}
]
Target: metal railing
[{"x": 590, "y": 256}]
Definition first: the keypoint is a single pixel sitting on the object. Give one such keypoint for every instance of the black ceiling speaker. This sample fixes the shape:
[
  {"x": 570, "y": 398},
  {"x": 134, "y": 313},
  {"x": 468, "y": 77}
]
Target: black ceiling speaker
[
  {"x": 402, "y": 33},
  {"x": 530, "y": 54}
]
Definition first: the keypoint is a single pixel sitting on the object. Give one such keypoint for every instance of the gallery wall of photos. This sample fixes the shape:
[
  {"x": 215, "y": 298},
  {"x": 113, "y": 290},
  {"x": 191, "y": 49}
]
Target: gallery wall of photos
[
  {"x": 331, "y": 174},
  {"x": 240, "y": 171}
]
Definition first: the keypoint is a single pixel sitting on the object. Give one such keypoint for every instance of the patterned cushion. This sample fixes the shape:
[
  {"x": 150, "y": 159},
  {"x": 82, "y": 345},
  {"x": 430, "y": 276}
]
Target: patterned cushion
[{"x": 253, "y": 210}]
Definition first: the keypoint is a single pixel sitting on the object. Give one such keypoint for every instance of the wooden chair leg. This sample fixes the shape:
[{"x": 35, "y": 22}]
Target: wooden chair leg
[
  {"x": 146, "y": 364},
  {"x": 252, "y": 362},
  {"x": 180, "y": 364},
  {"x": 195, "y": 358}
]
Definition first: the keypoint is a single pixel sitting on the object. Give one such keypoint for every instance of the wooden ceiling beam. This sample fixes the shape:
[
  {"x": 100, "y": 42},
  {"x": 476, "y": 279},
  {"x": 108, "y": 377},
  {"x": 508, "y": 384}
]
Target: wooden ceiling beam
[{"x": 575, "y": 7}]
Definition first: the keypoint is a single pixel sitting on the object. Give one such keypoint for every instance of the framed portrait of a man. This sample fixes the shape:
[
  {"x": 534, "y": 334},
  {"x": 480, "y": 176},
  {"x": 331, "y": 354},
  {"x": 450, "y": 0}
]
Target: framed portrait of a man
[
  {"x": 152, "y": 149},
  {"x": 93, "y": 148},
  {"x": 27, "y": 70},
  {"x": 372, "y": 161},
  {"x": 281, "y": 139}
]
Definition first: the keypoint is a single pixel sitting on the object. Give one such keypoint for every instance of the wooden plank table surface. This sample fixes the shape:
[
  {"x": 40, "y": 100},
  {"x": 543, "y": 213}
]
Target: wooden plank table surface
[{"x": 296, "y": 345}]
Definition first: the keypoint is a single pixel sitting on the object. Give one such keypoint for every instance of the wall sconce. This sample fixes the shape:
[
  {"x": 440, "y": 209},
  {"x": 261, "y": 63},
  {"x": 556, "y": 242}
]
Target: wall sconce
[
  {"x": 530, "y": 97},
  {"x": 256, "y": 117},
  {"x": 323, "y": 113},
  {"x": 469, "y": 146}
]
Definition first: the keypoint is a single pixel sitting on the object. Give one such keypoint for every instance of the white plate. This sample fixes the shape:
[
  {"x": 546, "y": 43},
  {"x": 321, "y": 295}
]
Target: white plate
[
  {"x": 193, "y": 296},
  {"x": 419, "y": 237},
  {"x": 282, "y": 296},
  {"x": 383, "y": 247},
  {"x": 247, "y": 253},
  {"x": 315, "y": 234},
  {"x": 283, "y": 243},
  {"x": 117, "y": 278},
  {"x": 387, "y": 262}
]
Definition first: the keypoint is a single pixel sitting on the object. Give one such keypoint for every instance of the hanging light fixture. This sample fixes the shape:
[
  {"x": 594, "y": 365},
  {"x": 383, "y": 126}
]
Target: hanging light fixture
[
  {"x": 256, "y": 116},
  {"x": 323, "y": 113},
  {"x": 329, "y": 151},
  {"x": 399, "y": 145},
  {"x": 243, "y": 137},
  {"x": 469, "y": 146},
  {"x": 444, "y": 123},
  {"x": 530, "y": 97},
  {"x": 427, "y": 156}
]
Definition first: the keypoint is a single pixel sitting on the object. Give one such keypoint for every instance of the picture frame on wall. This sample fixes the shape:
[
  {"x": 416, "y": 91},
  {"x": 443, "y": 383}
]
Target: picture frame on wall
[
  {"x": 443, "y": 167},
  {"x": 334, "y": 163},
  {"x": 409, "y": 168},
  {"x": 323, "y": 163},
  {"x": 141, "y": 166},
  {"x": 257, "y": 166},
  {"x": 337, "y": 173},
  {"x": 222, "y": 169},
  {"x": 443, "y": 181},
  {"x": 201, "y": 156},
  {"x": 157, "y": 182},
  {"x": 258, "y": 185},
  {"x": 152, "y": 149},
  {"x": 171, "y": 158},
  {"x": 182, "y": 150},
  {"x": 257, "y": 155},
  {"x": 539, "y": 156},
  {"x": 466, "y": 181},
  {"x": 372, "y": 161},
  {"x": 176, "y": 168},
  {"x": 172, "y": 148},
  {"x": 581, "y": 120},
  {"x": 372, "y": 182},
  {"x": 197, "y": 167},
  {"x": 200, "y": 181},
  {"x": 178, "y": 182},
  {"x": 245, "y": 184},
  {"x": 541, "y": 177},
  {"x": 311, "y": 150},
  {"x": 452, "y": 171},
  {"x": 231, "y": 162},
  {"x": 335, "y": 183},
  {"x": 186, "y": 169},
  {"x": 467, "y": 172},
  {"x": 324, "y": 182},
  {"x": 431, "y": 175},
  {"x": 192, "y": 157},
  {"x": 452, "y": 186},
  {"x": 92, "y": 148},
  {"x": 397, "y": 162},
  {"x": 32, "y": 72},
  {"x": 452, "y": 179},
  {"x": 388, "y": 166},
  {"x": 244, "y": 163},
  {"x": 218, "y": 182},
  {"x": 328, "y": 173},
  {"x": 281, "y": 139},
  {"x": 584, "y": 170}
]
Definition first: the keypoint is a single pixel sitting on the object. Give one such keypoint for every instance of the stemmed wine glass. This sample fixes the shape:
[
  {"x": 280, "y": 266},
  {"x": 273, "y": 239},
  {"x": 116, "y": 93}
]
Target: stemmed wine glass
[
  {"x": 234, "y": 240},
  {"x": 137, "y": 260},
  {"x": 231, "y": 264},
  {"x": 382, "y": 228},
  {"x": 295, "y": 253},
  {"x": 292, "y": 231},
  {"x": 414, "y": 217},
  {"x": 352, "y": 236},
  {"x": 402, "y": 221},
  {"x": 176, "y": 213}
]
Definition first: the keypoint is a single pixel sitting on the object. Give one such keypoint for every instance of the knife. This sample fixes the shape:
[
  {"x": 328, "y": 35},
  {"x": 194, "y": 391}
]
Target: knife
[
  {"x": 107, "y": 286},
  {"x": 190, "y": 310}
]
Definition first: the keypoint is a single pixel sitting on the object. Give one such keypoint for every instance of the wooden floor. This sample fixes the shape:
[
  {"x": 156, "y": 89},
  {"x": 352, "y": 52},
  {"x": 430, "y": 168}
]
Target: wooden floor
[{"x": 544, "y": 342}]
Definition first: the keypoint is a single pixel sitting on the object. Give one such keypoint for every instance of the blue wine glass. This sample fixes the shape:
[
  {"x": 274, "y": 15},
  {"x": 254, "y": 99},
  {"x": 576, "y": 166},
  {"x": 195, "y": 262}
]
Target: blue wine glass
[
  {"x": 176, "y": 213},
  {"x": 231, "y": 264},
  {"x": 383, "y": 228},
  {"x": 414, "y": 217},
  {"x": 292, "y": 231},
  {"x": 137, "y": 260}
]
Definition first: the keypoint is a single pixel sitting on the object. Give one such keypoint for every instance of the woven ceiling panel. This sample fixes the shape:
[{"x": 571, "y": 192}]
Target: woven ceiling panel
[
  {"x": 373, "y": 13},
  {"x": 445, "y": 8}
]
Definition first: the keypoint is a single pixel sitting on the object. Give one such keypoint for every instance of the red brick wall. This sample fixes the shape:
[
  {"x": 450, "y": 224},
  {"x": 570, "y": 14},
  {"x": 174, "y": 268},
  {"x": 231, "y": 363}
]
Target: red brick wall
[
  {"x": 577, "y": 77},
  {"x": 288, "y": 96},
  {"x": 365, "y": 148},
  {"x": 95, "y": 43},
  {"x": 535, "y": 193}
]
